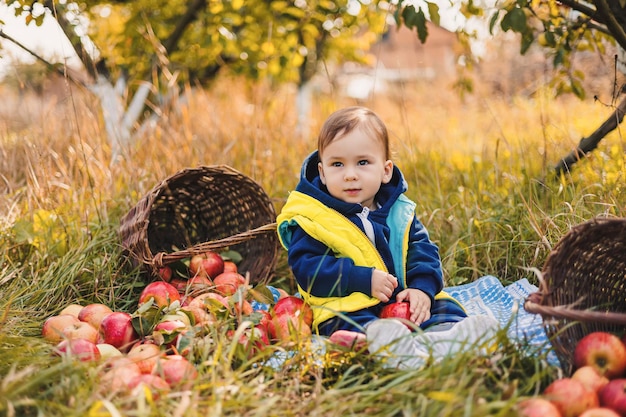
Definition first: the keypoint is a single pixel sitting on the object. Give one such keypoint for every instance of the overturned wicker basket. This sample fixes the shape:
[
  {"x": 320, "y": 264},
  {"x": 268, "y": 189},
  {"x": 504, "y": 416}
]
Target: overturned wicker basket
[
  {"x": 200, "y": 209},
  {"x": 584, "y": 286}
]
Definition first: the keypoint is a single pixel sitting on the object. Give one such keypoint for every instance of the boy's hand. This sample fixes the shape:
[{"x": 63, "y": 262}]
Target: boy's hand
[
  {"x": 419, "y": 304},
  {"x": 383, "y": 285}
]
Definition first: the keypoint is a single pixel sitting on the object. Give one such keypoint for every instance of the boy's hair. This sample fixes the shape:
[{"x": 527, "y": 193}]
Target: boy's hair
[{"x": 344, "y": 121}]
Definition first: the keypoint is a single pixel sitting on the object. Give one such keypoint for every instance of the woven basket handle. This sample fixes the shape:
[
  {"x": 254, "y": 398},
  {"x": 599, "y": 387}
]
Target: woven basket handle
[
  {"x": 533, "y": 305},
  {"x": 164, "y": 258}
]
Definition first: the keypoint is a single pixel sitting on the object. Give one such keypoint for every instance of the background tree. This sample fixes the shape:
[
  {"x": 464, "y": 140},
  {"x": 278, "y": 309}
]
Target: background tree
[{"x": 563, "y": 29}]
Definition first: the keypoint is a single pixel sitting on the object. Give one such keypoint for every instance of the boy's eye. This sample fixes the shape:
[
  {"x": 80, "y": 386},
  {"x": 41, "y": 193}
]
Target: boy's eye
[
  {"x": 363, "y": 162},
  {"x": 336, "y": 164}
]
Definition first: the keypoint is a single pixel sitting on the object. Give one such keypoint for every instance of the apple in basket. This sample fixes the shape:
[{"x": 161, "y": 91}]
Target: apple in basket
[
  {"x": 227, "y": 283},
  {"x": 602, "y": 350},
  {"x": 209, "y": 264},
  {"x": 613, "y": 395}
]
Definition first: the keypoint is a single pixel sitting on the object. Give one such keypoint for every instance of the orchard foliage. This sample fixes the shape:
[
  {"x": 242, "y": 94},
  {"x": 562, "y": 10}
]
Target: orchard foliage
[{"x": 564, "y": 28}]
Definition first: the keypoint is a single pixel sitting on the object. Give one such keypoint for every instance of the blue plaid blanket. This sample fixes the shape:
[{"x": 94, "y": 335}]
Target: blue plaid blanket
[{"x": 488, "y": 296}]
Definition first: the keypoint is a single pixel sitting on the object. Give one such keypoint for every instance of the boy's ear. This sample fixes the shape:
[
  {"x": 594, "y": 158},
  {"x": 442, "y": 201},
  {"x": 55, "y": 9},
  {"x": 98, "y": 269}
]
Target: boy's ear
[
  {"x": 321, "y": 171},
  {"x": 388, "y": 171}
]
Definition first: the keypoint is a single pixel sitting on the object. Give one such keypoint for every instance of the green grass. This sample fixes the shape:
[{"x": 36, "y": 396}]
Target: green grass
[{"x": 479, "y": 171}]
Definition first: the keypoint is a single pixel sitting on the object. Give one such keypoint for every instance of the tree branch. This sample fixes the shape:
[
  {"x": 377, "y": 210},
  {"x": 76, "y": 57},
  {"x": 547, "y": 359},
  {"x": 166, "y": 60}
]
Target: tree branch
[
  {"x": 52, "y": 67},
  {"x": 582, "y": 8},
  {"x": 589, "y": 143},
  {"x": 611, "y": 22},
  {"x": 75, "y": 41},
  {"x": 171, "y": 43}
]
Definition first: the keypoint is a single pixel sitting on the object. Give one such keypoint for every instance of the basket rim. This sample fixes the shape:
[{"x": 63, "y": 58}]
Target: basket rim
[{"x": 537, "y": 302}]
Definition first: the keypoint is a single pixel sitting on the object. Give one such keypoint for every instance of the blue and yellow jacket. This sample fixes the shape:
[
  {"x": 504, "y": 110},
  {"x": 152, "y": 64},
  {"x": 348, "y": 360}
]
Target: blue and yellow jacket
[{"x": 332, "y": 258}]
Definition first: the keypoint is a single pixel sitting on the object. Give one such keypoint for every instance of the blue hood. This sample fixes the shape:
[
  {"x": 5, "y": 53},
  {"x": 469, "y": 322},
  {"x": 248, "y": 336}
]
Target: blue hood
[{"x": 311, "y": 184}]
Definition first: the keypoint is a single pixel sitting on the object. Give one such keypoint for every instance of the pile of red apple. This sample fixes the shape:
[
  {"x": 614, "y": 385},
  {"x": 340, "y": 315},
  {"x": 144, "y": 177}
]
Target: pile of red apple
[
  {"x": 150, "y": 347},
  {"x": 596, "y": 388}
]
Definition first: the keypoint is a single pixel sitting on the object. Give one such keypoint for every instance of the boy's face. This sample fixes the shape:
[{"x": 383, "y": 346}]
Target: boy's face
[{"x": 354, "y": 167}]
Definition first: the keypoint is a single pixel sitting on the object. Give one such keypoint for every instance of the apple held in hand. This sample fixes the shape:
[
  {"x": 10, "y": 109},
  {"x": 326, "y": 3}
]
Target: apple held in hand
[
  {"x": 397, "y": 310},
  {"x": 117, "y": 329},
  {"x": 161, "y": 293},
  {"x": 602, "y": 350},
  {"x": 570, "y": 396},
  {"x": 293, "y": 306}
]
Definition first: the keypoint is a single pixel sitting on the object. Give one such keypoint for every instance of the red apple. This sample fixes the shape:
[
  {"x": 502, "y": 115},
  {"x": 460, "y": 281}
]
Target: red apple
[
  {"x": 154, "y": 383},
  {"x": 613, "y": 395},
  {"x": 599, "y": 412},
  {"x": 117, "y": 374},
  {"x": 145, "y": 355},
  {"x": 294, "y": 306},
  {"x": 537, "y": 407},
  {"x": 81, "y": 330},
  {"x": 52, "y": 329},
  {"x": 94, "y": 313},
  {"x": 227, "y": 283},
  {"x": 72, "y": 309},
  {"x": 83, "y": 349},
  {"x": 590, "y": 377},
  {"x": 290, "y": 330},
  {"x": 230, "y": 266},
  {"x": 570, "y": 396},
  {"x": 397, "y": 310},
  {"x": 168, "y": 332},
  {"x": 209, "y": 264},
  {"x": 117, "y": 329},
  {"x": 162, "y": 294},
  {"x": 241, "y": 306},
  {"x": 264, "y": 321},
  {"x": 177, "y": 371},
  {"x": 603, "y": 350},
  {"x": 198, "y": 282},
  {"x": 352, "y": 340},
  {"x": 165, "y": 272},
  {"x": 201, "y": 316},
  {"x": 211, "y": 302}
]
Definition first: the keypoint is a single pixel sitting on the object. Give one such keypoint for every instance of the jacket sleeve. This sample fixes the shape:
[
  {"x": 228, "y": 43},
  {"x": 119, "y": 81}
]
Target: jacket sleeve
[
  {"x": 424, "y": 270},
  {"x": 319, "y": 272}
]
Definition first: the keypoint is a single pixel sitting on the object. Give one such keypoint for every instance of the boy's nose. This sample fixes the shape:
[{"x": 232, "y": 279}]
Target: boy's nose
[{"x": 350, "y": 175}]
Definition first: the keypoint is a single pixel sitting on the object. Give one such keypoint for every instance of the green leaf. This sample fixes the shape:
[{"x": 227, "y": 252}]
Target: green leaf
[
  {"x": 492, "y": 22},
  {"x": 514, "y": 20},
  {"x": 433, "y": 12},
  {"x": 23, "y": 231},
  {"x": 262, "y": 294},
  {"x": 231, "y": 255}
]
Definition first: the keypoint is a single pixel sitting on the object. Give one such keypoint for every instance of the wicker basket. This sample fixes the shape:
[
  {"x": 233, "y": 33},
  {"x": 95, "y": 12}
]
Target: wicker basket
[
  {"x": 200, "y": 209},
  {"x": 584, "y": 286}
]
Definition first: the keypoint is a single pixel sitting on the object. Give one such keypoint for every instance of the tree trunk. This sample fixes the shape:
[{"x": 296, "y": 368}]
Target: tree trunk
[{"x": 589, "y": 143}]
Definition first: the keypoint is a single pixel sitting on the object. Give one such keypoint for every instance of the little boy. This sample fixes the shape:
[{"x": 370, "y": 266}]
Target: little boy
[{"x": 355, "y": 244}]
